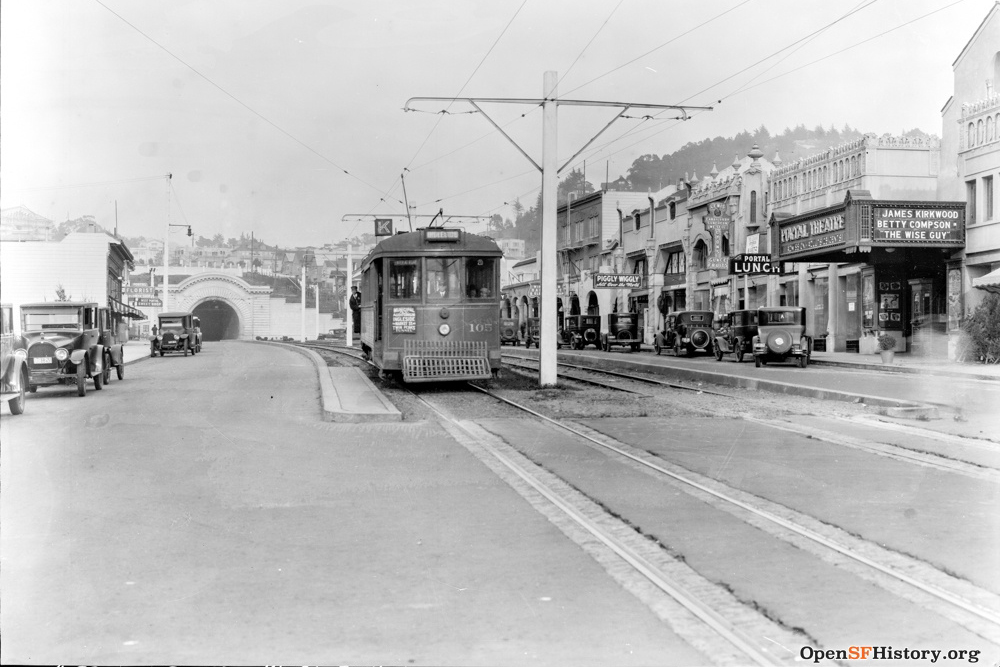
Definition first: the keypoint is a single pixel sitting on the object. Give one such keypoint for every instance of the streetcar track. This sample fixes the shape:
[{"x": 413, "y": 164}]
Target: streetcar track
[
  {"x": 986, "y": 611},
  {"x": 987, "y": 614}
]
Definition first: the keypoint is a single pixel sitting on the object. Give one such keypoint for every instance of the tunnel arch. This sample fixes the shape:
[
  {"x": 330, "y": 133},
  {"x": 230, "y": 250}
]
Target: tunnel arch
[{"x": 219, "y": 320}]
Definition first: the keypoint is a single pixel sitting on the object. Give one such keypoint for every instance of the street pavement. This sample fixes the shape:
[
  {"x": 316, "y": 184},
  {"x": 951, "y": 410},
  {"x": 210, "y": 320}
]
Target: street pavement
[{"x": 200, "y": 512}]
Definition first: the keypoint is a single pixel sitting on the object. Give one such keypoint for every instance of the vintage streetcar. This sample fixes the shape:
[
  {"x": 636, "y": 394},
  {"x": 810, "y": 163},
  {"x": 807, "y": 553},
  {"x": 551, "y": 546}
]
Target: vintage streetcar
[
  {"x": 430, "y": 306},
  {"x": 736, "y": 333},
  {"x": 13, "y": 366},
  {"x": 781, "y": 336},
  {"x": 176, "y": 333},
  {"x": 71, "y": 342},
  {"x": 623, "y": 329}
]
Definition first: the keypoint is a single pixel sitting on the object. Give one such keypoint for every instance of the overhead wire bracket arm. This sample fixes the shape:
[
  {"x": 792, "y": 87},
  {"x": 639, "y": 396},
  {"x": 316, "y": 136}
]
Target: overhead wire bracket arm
[
  {"x": 594, "y": 138},
  {"x": 505, "y": 135}
]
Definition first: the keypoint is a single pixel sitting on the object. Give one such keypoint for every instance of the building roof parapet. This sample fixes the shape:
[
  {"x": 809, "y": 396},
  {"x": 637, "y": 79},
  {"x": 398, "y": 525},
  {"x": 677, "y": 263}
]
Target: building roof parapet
[
  {"x": 870, "y": 140},
  {"x": 712, "y": 189},
  {"x": 975, "y": 108}
]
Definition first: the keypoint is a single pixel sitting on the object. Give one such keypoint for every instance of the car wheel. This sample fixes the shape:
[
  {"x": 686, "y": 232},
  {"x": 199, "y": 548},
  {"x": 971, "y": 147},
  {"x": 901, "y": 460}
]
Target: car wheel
[
  {"x": 161, "y": 351},
  {"x": 107, "y": 370},
  {"x": 99, "y": 381},
  {"x": 186, "y": 349},
  {"x": 803, "y": 361},
  {"x": 81, "y": 379},
  {"x": 739, "y": 353},
  {"x": 718, "y": 353},
  {"x": 17, "y": 403},
  {"x": 636, "y": 347},
  {"x": 120, "y": 370},
  {"x": 32, "y": 388}
]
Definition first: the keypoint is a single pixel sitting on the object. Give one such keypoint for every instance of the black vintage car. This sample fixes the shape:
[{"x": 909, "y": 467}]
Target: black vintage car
[
  {"x": 175, "y": 334},
  {"x": 533, "y": 332},
  {"x": 781, "y": 335},
  {"x": 686, "y": 332},
  {"x": 579, "y": 331},
  {"x": 735, "y": 334},
  {"x": 623, "y": 329},
  {"x": 13, "y": 366},
  {"x": 69, "y": 343},
  {"x": 508, "y": 331}
]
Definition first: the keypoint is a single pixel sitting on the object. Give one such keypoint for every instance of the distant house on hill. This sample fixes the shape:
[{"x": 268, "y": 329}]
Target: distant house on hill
[{"x": 21, "y": 224}]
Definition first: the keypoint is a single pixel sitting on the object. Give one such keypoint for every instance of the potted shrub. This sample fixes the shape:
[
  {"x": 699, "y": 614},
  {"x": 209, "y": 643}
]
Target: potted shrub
[{"x": 887, "y": 347}]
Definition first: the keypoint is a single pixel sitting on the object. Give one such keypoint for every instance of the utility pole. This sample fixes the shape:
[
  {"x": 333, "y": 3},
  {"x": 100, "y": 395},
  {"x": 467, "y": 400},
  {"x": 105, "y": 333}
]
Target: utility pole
[
  {"x": 547, "y": 373},
  {"x": 166, "y": 253}
]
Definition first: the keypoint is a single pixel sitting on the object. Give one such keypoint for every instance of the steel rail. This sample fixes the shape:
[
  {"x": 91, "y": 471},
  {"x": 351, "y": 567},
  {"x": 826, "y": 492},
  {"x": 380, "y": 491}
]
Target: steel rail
[
  {"x": 986, "y": 614},
  {"x": 714, "y": 620}
]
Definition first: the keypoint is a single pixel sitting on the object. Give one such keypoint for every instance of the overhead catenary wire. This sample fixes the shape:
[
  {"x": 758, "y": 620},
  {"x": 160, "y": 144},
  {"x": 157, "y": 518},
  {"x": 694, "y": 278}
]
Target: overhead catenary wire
[{"x": 236, "y": 99}]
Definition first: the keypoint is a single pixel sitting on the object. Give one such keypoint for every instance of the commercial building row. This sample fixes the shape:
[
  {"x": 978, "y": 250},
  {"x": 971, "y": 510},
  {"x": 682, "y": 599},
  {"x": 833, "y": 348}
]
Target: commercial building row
[{"x": 885, "y": 234}]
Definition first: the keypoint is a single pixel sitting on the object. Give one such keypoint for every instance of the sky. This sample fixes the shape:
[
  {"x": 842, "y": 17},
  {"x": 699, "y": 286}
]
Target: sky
[{"x": 286, "y": 119}]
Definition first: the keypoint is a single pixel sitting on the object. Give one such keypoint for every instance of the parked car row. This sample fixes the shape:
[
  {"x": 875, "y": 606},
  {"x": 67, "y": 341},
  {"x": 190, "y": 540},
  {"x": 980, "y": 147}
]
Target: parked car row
[{"x": 773, "y": 334}]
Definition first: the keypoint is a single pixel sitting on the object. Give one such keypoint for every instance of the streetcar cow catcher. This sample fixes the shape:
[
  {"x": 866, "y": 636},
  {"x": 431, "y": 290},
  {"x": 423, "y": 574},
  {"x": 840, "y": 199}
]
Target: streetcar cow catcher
[{"x": 430, "y": 306}]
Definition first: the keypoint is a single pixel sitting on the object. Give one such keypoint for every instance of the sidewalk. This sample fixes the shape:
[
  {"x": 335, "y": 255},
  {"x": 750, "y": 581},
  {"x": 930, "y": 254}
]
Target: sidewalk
[{"x": 906, "y": 363}]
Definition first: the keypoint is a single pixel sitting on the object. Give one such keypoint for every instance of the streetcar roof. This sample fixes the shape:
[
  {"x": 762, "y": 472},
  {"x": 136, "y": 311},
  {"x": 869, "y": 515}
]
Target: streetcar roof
[
  {"x": 414, "y": 243},
  {"x": 60, "y": 304}
]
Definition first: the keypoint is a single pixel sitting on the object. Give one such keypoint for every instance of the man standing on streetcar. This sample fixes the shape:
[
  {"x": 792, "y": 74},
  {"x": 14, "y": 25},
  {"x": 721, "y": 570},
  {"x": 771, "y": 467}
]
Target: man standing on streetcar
[{"x": 355, "y": 304}]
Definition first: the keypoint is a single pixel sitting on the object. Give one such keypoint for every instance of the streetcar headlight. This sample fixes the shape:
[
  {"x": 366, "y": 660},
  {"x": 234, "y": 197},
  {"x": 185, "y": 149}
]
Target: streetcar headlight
[
  {"x": 62, "y": 354},
  {"x": 444, "y": 329}
]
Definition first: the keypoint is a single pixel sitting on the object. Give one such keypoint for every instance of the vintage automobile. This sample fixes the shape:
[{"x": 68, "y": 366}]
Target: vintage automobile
[
  {"x": 13, "y": 369},
  {"x": 579, "y": 331},
  {"x": 781, "y": 335},
  {"x": 533, "y": 332},
  {"x": 508, "y": 331},
  {"x": 175, "y": 334},
  {"x": 735, "y": 334},
  {"x": 686, "y": 332},
  {"x": 70, "y": 342},
  {"x": 623, "y": 329},
  {"x": 196, "y": 321}
]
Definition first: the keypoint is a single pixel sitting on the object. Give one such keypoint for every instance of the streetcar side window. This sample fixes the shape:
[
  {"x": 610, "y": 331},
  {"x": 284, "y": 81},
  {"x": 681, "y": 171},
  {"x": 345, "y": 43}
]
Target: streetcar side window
[
  {"x": 404, "y": 278},
  {"x": 480, "y": 277},
  {"x": 443, "y": 279}
]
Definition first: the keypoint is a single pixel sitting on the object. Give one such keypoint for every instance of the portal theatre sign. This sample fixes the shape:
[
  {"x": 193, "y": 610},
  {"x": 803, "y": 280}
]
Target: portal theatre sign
[
  {"x": 862, "y": 224},
  {"x": 802, "y": 237},
  {"x": 912, "y": 225}
]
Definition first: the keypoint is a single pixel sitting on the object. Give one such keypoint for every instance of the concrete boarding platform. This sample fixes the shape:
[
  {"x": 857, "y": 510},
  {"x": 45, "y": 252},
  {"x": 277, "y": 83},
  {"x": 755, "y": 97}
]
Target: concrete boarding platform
[{"x": 346, "y": 394}]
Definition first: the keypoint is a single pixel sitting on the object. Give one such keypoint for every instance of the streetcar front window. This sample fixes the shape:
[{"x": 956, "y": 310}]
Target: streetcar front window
[
  {"x": 480, "y": 278},
  {"x": 404, "y": 279},
  {"x": 443, "y": 279}
]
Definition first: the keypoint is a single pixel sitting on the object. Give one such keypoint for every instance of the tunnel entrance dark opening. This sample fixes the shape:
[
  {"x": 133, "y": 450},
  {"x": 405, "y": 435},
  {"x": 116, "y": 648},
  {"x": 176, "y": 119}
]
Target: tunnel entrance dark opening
[{"x": 219, "y": 320}]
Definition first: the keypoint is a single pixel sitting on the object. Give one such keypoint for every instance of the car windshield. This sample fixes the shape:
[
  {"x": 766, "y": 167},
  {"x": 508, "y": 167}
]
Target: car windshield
[
  {"x": 51, "y": 318},
  {"x": 171, "y": 323}
]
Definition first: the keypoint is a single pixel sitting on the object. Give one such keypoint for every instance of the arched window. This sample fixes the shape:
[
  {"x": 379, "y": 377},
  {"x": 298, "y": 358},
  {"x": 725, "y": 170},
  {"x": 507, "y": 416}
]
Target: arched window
[
  {"x": 753, "y": 208},
  {"x": 725, "y": 245},
  {"x": 700, "y": 255},
  {"x": 989, "y": 128},
  {"x": 972, "y": 135},
  {"x": 795, "y": 185}
]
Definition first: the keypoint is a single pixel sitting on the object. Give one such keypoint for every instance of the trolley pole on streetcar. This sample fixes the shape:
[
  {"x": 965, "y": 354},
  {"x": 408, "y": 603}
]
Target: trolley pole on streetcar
[{"x": 547, "y": 374}]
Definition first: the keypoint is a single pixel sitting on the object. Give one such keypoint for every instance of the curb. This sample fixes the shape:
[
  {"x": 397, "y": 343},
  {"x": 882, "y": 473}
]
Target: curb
[
  {"x": 881, "y": 405},
  {"x": 331, "y": 402},
  {"x": 903, "y": 370}
]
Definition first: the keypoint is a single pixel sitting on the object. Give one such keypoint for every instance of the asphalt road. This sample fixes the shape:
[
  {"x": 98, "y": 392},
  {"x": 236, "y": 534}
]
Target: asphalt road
[{"x": 200, "y": 512}]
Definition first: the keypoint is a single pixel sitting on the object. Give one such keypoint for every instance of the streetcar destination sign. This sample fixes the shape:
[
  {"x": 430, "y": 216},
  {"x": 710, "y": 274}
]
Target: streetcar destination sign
[{"x": 617, "y": 280}]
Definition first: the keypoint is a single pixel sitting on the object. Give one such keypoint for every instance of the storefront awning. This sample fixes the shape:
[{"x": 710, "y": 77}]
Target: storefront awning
[{"x": 990, "y": 282}]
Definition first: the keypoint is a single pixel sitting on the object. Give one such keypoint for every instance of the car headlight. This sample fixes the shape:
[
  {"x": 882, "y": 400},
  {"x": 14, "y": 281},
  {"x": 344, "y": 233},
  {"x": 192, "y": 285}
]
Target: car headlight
[
  {"x": 444, "y": 329},
  {"x": 159, "y": 338},
  {"x": 21, "y": 353},
  {"x": 685, "y": 340},
  {"x": 62, "y": 354}
]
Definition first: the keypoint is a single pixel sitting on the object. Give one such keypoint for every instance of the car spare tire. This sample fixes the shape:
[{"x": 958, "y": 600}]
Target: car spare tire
[
  {"x": 779, "y": 342},
  {"x": 700, "y": 339}
]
